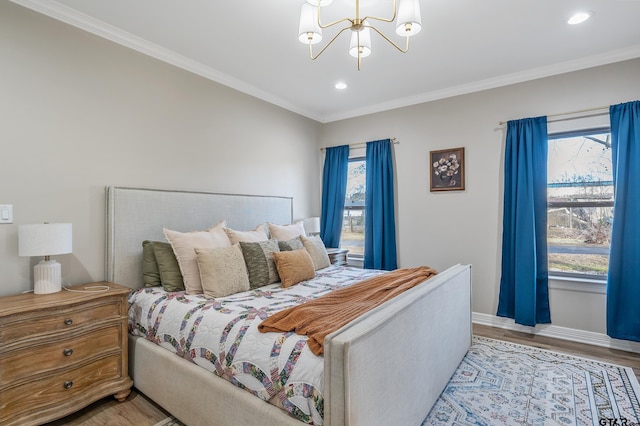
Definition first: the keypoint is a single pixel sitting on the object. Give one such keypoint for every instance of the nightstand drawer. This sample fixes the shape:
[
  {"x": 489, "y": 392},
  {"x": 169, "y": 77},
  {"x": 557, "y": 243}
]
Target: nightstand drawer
[
  {"x": 43, "y": 393},
  {"x": 54, "y": 320},
  {"x": 62, "y": 353}
]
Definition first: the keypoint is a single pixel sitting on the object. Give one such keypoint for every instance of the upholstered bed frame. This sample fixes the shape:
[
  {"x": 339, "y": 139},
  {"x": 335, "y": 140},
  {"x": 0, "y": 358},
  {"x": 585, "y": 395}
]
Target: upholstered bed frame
[{"x": 424, "y": 333}]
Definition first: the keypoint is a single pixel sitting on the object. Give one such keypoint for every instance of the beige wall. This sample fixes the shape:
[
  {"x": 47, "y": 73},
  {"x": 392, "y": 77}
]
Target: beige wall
[
  {"x": 441, "y": 229},
  {"x": 78, "y": 113}
]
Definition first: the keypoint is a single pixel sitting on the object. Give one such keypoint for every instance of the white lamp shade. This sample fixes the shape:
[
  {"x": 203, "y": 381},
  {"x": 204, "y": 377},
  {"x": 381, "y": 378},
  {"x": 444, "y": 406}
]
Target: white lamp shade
[
  {"x": 311, "y": 225},
  {"x": 321, "y": 3},
  {"x": 409, "y": 19},
  {"x": 365, "y": 43},
  {"x": 44, "y": 239},
  {"x": 309, "y": 30}
]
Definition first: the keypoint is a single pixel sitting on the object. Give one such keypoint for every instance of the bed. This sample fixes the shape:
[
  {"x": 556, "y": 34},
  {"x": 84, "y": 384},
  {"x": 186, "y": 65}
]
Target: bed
[{"x": 423, "y": 333}]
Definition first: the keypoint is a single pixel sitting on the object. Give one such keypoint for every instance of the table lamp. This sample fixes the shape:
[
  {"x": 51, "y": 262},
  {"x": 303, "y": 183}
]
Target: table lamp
[
  {"x": 311, "y": 225},
  {"x": 45, "y": 239}
]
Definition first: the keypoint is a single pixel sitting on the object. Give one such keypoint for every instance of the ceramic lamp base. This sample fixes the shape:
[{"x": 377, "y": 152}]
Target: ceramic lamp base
[{"x": 47, "y": 276}]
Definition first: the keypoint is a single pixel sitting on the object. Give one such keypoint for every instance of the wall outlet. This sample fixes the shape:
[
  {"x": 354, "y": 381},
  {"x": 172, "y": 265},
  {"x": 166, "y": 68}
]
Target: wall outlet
[{"x": 6, "y": 213}]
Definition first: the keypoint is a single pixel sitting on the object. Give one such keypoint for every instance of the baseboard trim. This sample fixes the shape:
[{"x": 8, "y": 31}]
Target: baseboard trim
[{"x": 548, "y": 330}]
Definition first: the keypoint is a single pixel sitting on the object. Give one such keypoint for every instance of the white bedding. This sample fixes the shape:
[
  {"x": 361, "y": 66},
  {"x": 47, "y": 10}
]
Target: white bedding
[{"x": 221, "y": 335}]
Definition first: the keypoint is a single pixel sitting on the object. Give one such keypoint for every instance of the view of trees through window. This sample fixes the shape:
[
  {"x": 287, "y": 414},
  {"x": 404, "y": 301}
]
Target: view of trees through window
[
  {"x": 580, "y": 204},
  {"x": 352, "y": 236}
]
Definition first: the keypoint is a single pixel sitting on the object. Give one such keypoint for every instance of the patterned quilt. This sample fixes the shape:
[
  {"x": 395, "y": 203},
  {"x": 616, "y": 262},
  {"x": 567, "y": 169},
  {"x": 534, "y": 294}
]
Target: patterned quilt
[{"x": 221, "y": 335}]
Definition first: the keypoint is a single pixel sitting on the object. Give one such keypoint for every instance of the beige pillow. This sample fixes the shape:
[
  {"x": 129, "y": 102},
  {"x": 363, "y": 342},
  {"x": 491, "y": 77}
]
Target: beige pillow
[
  {"x": 317, "y": 251},
  {"x": 293, "y": 266},
  {"x": 258, "y": 234},
  {"x": 184, "y": 245},
  {"x": 222, "y": 271},
  {"x": 286, "y": 232}
]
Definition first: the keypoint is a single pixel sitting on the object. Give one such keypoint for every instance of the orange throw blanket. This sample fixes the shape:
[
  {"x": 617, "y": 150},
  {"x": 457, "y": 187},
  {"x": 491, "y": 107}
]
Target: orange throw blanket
[{"x": 326, "y": 314}]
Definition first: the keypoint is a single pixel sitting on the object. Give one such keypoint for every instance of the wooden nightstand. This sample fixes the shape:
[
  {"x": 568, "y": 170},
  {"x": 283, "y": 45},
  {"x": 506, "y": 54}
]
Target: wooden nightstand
[
  {"x": 60, "y": 352},
  {"x": 338, "y": 256}
]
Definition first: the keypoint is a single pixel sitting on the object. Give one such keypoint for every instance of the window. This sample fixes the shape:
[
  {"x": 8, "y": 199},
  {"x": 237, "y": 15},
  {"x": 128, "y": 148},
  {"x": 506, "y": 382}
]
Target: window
[
  {"x": 580, "y": 203},
  {"x": 352, "y": 236}
]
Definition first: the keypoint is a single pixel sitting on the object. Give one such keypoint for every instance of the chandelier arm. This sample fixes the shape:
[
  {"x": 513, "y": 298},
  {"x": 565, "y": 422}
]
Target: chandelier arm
[
  {"x": 395, "y": 10},
  {"x": 323, "y": 26},
  {"x": 327, "y": 45},
  {"x": 405, "y": 50}
]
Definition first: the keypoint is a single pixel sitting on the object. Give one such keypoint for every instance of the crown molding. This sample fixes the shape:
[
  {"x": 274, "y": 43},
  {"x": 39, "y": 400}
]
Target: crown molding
[
  {"x": 84, "y": 22},
  {"x": 79, "y": 20},
  {"x": 619, "y": 55}
]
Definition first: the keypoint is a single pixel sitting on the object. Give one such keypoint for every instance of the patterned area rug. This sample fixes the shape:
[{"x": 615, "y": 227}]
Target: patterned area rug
[{"x": 500, "y": 383}]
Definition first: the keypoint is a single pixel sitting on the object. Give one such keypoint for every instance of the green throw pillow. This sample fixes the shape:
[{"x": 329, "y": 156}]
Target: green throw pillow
[
  {"x": 170, "y": 275},
  {"x": 150, "y": 271},
  {"x": 290, "y": 245},
  {"x": 260, "y": 265}
]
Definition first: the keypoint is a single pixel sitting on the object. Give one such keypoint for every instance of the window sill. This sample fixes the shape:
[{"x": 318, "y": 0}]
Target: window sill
[
  {"x": 584, "y": 285},
  {"x": 355, "y": 261}
]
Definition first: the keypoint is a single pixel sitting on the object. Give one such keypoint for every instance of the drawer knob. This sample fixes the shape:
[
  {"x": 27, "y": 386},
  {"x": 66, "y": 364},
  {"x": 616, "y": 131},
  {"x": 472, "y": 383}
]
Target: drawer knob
[
  {"x": 68, "y": 384},
  {"x": 68, "y": 321},
  {"x": 68, "y": 352}
]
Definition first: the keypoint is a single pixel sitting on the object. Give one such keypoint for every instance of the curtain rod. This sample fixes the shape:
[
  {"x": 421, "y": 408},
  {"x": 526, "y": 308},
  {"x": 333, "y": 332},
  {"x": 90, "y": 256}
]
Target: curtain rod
[
  {"x": 568, "y": 113},
  {"x": 357, "y": 144}
]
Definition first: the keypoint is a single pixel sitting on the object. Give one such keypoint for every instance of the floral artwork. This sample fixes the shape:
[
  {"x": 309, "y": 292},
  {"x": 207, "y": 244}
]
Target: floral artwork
[{"x": 447, "y": 169}]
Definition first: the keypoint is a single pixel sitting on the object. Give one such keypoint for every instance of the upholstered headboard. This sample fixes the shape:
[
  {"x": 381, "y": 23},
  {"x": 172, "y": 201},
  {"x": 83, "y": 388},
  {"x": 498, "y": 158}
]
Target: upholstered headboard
[{"x": 138, "y": 214}]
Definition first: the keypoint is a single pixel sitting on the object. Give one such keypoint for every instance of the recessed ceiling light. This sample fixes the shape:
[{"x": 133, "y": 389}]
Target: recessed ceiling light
[
  {"x": 340, "y": 85},
  {"x": 579, "y": 18}
]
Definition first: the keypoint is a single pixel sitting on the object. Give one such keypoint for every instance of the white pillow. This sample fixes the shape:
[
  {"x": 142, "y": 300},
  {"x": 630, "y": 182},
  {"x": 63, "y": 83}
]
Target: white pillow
[
  {"x": 257, "y": 235},
  {"x": 184, "y": 245},
  {"x": 286, "y": 232},
  {"x": 222, "y": 271},
  {"x": 317, "y": 251}
]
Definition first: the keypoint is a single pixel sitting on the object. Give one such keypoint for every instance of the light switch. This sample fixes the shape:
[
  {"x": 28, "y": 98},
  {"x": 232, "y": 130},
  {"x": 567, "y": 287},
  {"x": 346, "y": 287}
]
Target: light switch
[{"x": 6, "y": 213}]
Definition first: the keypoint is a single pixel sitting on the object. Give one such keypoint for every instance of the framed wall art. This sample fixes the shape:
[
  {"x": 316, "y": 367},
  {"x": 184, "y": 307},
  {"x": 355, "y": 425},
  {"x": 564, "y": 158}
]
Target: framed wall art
[{"x": 446, "y": 170}]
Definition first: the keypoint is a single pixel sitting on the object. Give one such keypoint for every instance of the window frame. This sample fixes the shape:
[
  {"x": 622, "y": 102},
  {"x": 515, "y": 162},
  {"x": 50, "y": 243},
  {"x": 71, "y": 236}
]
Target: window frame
[
  {"x": 573, "y": 278},
  {"x": 355, "y": 207}
]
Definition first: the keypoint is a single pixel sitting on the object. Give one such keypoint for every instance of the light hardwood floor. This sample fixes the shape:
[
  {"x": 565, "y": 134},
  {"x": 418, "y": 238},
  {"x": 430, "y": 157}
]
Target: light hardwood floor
[
  {"x": 612, "y": 356},
  {"x": 138, "y": 410}
]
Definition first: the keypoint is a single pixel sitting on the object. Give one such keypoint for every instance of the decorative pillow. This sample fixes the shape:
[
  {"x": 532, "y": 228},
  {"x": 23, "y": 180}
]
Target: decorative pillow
[
  {"x": 184, "y": 245},
  {"x": 170, "y": 275},
  {"x": 292, "y": 244},
  {"x": 258, "y": 234},
  {"x": 257, "y": 257},
  {"x": 293, "y": 266},
  {"x": 150, "y": 271},
  {"x": 317, "y": 251},
  {"x": 286, "y": 232},
  {"x": 222, "y": 271}
]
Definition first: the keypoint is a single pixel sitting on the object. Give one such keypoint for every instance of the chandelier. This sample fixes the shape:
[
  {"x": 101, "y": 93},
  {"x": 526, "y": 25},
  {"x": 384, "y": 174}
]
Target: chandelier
[{"x": 408, "y": 23}]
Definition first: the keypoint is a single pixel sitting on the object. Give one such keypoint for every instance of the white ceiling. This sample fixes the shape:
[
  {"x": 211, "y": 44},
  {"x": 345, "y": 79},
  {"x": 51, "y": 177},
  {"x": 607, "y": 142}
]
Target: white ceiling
[{"x": 464, "y": 46}]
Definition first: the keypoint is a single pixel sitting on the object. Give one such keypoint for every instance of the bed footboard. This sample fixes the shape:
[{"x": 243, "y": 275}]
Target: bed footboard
[
  {"x": 390, "y": 365},
  {"x": 193, "y": 394}
]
